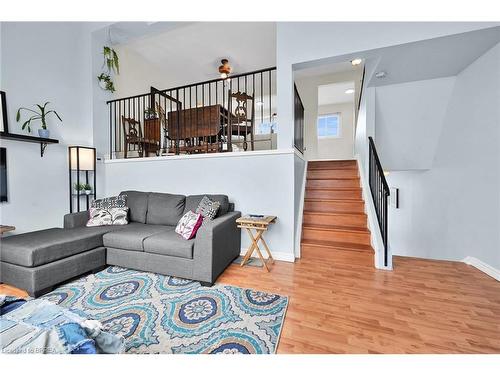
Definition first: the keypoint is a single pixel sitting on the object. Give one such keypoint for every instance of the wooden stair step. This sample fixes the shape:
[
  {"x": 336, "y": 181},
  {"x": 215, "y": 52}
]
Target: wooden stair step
[
  {"x": 334, "y": 205},
  {"x": 339, "y": 193},
  {"x": 343, "y": 234},
  {"x": 332, "y": 164},
  {"x": 336, "y": 245},
  {"x": 326, "y": 174},
  {"x": 333, "y": 218},
  {"x": 332, "y": 183}
]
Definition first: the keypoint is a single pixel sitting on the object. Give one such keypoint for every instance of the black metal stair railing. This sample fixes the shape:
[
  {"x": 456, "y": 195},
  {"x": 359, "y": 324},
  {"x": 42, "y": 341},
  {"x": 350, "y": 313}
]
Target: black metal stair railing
[
  {"x": 197, "y": 118},
  {"x": 380, "y": 193},
  {"x": 298, "y": 121}
]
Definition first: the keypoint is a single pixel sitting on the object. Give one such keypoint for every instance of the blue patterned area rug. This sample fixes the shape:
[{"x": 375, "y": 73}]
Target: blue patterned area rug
[{"x": 163, "y": 314}]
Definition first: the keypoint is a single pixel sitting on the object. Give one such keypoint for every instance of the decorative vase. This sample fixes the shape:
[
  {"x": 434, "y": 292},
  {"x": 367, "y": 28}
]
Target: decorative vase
[
  {"x": 43, "y": 133},
  {"x": 88, "y": 192}
]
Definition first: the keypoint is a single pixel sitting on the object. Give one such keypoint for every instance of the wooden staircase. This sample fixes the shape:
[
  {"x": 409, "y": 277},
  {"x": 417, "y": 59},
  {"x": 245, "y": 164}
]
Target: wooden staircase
[{"x": 334, "y": 211}]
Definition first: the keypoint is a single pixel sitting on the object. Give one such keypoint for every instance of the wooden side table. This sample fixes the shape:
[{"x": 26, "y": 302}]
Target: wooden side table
[
  {"x": 259, "y": 225},
  {"x": 6, "y": 228}
]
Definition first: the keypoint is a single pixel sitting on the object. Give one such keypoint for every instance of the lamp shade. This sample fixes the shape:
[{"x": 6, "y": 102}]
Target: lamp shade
[{"x": 82, "y": 158}]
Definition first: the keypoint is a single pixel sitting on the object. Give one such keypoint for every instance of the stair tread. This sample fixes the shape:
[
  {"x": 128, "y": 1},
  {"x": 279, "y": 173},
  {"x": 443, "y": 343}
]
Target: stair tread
[
  {"x": 333, "y": 200},
  {"x": 331, "y": 167},
  {"x": 343, "y": 228},
  {"x": 332, "y": 178},
  {"x": 338, "y": 245},
  {"x": 333, "y": 213},
  {"x": 349, "y": 188}
]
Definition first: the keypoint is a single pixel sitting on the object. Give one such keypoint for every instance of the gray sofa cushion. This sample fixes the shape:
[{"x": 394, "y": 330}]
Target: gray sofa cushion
[
  {"x": 169, "y": 243},
  {"x": 137, "y": 202},
  {"x": 192, "y": 202},
  {"x": 131, "y": 236},
  {"x": 46, "y": 246},
  {"x": 165, "y": 209}
]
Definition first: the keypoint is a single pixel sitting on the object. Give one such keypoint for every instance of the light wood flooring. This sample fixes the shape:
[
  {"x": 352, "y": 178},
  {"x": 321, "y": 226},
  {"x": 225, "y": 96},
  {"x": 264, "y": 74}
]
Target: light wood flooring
[{"x": 340, "y": 304}]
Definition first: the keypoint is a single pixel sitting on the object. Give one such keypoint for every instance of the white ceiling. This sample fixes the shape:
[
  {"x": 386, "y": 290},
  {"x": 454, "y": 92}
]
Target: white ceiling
[
  {"x": 334, "y": 93},
  {"x": 323, "y": 70},
  {"x": 433, "y": 58},
  {"x": 195, "y": 49}
]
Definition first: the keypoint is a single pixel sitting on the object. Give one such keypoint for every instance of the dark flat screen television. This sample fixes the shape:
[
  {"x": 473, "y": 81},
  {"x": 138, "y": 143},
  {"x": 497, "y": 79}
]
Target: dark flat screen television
[{"x": 3, "y": 174}]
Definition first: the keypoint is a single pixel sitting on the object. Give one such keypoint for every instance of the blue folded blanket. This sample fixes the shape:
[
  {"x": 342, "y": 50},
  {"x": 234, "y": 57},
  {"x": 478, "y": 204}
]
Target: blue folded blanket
[{"x": 39, "y": 326}]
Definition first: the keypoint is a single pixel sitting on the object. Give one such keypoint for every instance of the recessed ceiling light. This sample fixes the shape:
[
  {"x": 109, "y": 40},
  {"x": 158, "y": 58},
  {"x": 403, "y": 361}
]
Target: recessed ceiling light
[
  {"x": 356, "y": 61},
  {"x": 349, "y": 91},
  {"x": 381, "y": 74}
]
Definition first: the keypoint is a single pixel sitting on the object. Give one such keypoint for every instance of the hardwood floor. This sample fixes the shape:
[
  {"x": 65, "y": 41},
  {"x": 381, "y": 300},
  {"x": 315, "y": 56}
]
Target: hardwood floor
[
  {"x": 11, "y": 291},
  {"x": 340, "y": 304}
]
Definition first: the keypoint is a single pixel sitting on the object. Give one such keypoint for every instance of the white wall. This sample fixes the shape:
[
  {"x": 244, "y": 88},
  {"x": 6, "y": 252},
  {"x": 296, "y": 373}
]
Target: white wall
[
  {"x": 409, "y": 119},
  {"x": 258, "y": 184},
  {"x": 44, "y": 62},
  {"x": 453, "y": 210},
  {"x": 298, "y": 42},
  {"x": 341, "y": 147},
  {"x": 300, "y": 169},
  {"x": 137, "y": 75},
  {"x": 308, "y": 91}
]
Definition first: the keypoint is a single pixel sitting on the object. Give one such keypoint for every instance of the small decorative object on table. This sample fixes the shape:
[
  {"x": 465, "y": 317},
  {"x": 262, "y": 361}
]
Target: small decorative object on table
[
  {"x": 6, "y": 228},
  {"x": 259, "y": 223}
]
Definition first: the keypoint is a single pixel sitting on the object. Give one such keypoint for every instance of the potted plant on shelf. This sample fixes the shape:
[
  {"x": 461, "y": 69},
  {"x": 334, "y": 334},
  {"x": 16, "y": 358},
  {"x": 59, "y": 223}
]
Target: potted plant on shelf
[
  {"x": 79, "y": 188},
  {"x": 39, "y": 114},
  {"x": 111, "y": 62},
  {"x": 87, "y": 188},
  {"x": 150, "y": 113}
]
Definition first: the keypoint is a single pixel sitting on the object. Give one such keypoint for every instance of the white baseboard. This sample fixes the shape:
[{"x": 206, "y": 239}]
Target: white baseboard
[
  {"x": 484, "y": 267},
  {"x": 285, "y": 257}
]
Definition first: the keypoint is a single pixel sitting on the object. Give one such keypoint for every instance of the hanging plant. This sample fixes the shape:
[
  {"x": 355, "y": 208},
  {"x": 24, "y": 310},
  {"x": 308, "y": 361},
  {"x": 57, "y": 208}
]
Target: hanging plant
[
  {"x": 111, "y": 63},
  {"x": 111, "y": 60},
  {"x": 105, "y": 82}
]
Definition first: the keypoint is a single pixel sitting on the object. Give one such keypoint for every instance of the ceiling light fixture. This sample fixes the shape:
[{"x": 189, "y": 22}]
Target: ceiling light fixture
[
  {"x": 259, "y": 103},
  {"x": 356, "y": 61},
  {"x": 349, "y": 91},
  {"x": 381, "y": 74},
  {"x": 224, "y": 69}
]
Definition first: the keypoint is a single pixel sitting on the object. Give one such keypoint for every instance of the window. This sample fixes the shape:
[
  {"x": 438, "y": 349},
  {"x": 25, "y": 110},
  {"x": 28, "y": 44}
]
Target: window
[{"x": 329, "y": 125}]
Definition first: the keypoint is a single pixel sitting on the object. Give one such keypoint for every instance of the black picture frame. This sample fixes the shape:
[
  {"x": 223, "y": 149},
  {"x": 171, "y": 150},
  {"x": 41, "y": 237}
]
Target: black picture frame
[
  {"x": 4, "y": 124},
  {"x": 3, "y": 175}
]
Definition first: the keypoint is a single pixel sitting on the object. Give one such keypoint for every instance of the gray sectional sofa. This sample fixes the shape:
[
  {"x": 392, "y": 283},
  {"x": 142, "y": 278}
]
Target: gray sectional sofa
[{"x": 37, "y": 261}]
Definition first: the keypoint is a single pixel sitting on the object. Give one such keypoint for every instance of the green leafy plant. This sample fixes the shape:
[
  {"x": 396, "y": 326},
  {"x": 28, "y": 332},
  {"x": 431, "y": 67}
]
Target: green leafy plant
[
  {"x": 108, "y": 83},
  {"x": 87, "y": 187},
  {"x": 79, "y": 187},
  {"x": 150, "y": 113},
  {"x": 111, "y": 62},
  {"x": 39, "y": 114},
  {"x": 111, "y": 59}
]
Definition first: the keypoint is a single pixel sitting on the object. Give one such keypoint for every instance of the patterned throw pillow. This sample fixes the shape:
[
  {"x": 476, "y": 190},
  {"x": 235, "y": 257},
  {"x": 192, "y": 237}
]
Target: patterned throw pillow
[
  {"x": 108, "y": 211},
  {"x": 119, "y": 201},
  {"x": 189, "y": 224},
  {"x": 208, "y": 208}
]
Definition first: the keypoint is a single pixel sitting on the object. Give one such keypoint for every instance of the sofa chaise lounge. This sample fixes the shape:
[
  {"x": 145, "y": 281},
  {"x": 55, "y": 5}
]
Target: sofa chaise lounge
[{"x": 38, "y": 261}]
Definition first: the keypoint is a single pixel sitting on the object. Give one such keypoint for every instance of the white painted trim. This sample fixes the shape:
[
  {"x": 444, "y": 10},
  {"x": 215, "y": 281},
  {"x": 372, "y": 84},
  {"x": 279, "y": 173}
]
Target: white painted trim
[
  {"x": 285, "y": 257},
  {"x": 376, "y": 236},
  {"x": 299, "y": 154},
  {"x": 483, "y": 267},
  {"x": 341, "y": 159},
  {"x": 300, "y": 218},
  {"x": 203, "y": 156}
]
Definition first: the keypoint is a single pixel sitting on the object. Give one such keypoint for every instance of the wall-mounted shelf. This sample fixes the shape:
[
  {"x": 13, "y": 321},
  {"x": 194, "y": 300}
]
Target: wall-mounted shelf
[{"x": 28, "y": 138}]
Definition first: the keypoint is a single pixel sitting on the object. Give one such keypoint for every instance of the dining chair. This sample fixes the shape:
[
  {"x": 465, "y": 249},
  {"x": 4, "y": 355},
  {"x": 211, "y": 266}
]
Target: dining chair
[{"x": 240, "y": 122}]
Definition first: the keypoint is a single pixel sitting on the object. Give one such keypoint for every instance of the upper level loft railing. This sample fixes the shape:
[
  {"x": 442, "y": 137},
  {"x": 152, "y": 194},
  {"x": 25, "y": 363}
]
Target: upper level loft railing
[
  {"x": 298, "y": 112},
  {"x": 380, "y": 192},
  {"x": 220, "y": 115}
]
